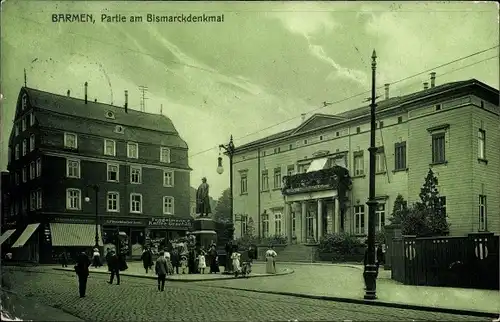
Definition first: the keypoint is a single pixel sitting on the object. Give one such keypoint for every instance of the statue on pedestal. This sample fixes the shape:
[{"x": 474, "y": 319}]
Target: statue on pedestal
[{"x": 203, "y": 199}]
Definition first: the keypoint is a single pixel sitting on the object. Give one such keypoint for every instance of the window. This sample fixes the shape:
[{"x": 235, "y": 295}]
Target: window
[
  {"x": 16, "y": 129},
  {"x": 358, "y": 130},
  {"x": 265, "y": 225},
  {"x": 73, "y": 199},
  {"x": 290, "y": 170},
  {"x": 290, "y": 147},
  {"x": 400, "y": 119},
  {"x": 33, "y": 200},
  {"x": 438, "y": 148},
  {"x": 132, "y": 150},
  {"x": 24, "y": 101},
  {"x": 119, "y": 129},
  {"x": 442, "y": 201},
  {"x": 73, "y": 168},
  {"x": 482, "y": 104},
  {"x": 277, "y": 224},
  {"x": 38, "y": 167},
  {"x": 243, "y": 183},
  {"x": 25, "y": 205},
  {"x": 16, "y": 156},
  {"x": 113, "y": 172},
  {"x": 168, "y": 178},
  {"x": 25, "y": 174},
  {"x": 32, "y": 119},
  {"x": 165, "y": 155},
  {"x": 400, "y": 156},
  {"x": 244, "y": 225},
  {"x": 39, "y": 199},
  {"x": 25, "y": 147},
  {"x": 23, "y": 124},
  {"x": 481, "y": 140},
  {"x": 16, "y": 180},
  {"x": 135, "y": 175},
  {"x": 380, "y": 217},
  {"x": 70, "y": 141},
  {"x": 263, "y": 153},
  {"x": 110, "y": 115},
  {"x": 321, "y": 137},
  {"x": 380, "y": 124},
  {"x": 305, "y": 141},
  {"x": 265, "y": 180},
  {"x": 337, "y": 134},
  {"x": 276, "y": 150},
  {"x": 277, "y": 178},
  {"x": 113, "y": 201},
  {"x": 380, "y": 161},
  {"x": 303, "y": 167},
  {"x": 32, "y": 170},
  {"x": 168, "y": 205},
  {"x": 136, "y": 203},
  {"x": 109, "y": 147},
  {"x": 36, "y": 200},
  {"x": 32, "y": 142},
  {"x": 293, "y": 223},
  {"x": 438, "y": 107},
  {"x": 482, "y": 213},
  {"x": 359, "y": 220},
  {"x": 359, "y": 164}
]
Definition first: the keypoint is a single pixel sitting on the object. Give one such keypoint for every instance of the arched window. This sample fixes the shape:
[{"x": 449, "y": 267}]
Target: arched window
[{"x": 24, "y": 101}]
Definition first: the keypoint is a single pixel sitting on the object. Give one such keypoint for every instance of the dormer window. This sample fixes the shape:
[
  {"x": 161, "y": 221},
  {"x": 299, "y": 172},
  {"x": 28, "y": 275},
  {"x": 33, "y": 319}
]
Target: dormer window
[
  {"x": 70, "y": 141},
  {"x": 110, "y": 115},
  {"x": 165, "y": 155},
  {"x": 24, "y": 102},
  {"x": 23, "y": 123},
  {"x": 119, "y": 129},
  {"x": 32, "y": 119},
  {"x": 16, "y": 129}
]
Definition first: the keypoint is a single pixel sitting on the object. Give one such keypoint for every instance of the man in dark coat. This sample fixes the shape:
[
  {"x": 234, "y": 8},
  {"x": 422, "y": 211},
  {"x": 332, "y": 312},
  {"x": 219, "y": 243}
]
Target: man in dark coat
[
  {"x": 147, "y": 259},
  {"x": 64, "y": 258},
  {"x": 82, "y": 271},
  {"x": 114, "y": 268},
  {"x": 229, "y": 262},
  {"x": 175, "y": 259},
  {"x": 203, "y": 199},
  {"x": 214, "y": 262},
  {"x": 192, "y": 262}
]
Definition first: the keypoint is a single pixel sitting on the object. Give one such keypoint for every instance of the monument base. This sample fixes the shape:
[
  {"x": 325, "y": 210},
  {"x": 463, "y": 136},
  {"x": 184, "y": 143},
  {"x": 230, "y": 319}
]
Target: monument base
[{"x": 204, "y": 231}]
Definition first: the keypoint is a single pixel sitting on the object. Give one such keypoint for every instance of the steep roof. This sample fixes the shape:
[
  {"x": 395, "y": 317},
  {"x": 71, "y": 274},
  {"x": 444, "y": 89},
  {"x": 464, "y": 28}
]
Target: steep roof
[
  {"x": 66, "y": 113},
  {"x": 327, "y": 119}
]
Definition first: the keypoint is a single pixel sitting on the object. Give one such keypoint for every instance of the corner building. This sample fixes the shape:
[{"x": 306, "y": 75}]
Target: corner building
[
  {"x": 453, "y": 128},
  {"x": 60, "y": 146}
]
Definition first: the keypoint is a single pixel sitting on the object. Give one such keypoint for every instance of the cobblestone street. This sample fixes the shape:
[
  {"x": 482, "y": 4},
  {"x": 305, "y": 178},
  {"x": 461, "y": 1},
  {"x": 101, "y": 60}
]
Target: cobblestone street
[{"x": 137, "y": 299}]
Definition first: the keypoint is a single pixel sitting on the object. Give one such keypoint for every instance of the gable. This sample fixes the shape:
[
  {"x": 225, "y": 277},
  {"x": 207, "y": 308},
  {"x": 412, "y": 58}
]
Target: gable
[
  {"x": 22, "y": 99},
  {"x": 317, "y": 121}
]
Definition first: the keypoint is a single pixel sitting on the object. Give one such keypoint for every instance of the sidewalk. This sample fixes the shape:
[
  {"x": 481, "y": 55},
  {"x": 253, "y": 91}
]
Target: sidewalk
[
  {"x": 135, "y": 269},
  {"x": 20, "y": 308},
  {"x": 345, "y": 283}
]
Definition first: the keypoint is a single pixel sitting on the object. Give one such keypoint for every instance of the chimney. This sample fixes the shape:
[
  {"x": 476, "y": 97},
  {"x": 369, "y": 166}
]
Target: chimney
[
  {"x": 303, "y": 117},
  {"x": 68, "y": 92},
  {"x": 433, "y": 79},
  {"x": 86, "y": 85},
  {"x": 426, "y": 85},
  {"x": 126, "y": 101},
  {"x": 387, "y": 91},
  {"x": 95, "y": 100}
]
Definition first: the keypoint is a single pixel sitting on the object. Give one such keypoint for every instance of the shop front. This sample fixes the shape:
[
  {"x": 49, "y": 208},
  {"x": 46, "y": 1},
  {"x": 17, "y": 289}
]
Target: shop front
[
  {"x": 131, "y": 232},
  {"x": 161, "y": 231}
]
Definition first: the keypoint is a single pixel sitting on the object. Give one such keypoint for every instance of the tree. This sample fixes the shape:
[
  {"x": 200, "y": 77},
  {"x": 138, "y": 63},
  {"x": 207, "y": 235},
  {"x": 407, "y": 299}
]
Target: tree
[
  {"x": 223, "y": 208},
  {"x": 399, "y": 209}
]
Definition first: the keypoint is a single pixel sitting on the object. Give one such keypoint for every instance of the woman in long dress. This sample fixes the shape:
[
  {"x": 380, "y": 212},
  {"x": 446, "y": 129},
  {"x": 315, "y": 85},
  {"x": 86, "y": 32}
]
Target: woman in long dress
[
  {"x": 235, "y": 258},
  {"x": 270, "y": 261}
]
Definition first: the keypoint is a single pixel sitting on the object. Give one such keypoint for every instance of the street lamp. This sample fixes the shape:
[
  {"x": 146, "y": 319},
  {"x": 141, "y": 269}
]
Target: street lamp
[
  {"x": 370, "y": 271},
  {"x": 229, "y": 150},
  {"x": 87, "y": 199}
]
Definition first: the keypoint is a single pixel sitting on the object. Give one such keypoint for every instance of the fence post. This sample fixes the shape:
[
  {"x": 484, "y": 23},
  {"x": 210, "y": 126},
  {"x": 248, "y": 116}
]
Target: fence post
[
  {"x": 410, "y": 254},
  {"x": 483, "y": 260}
]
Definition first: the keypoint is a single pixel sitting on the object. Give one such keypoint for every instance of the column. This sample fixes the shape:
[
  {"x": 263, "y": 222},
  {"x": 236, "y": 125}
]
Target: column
[
  {"x": 303, "y": 222},
  {"x": 288, "y": 222},
  {"x": 314, "y": 223},
  {"x": 320, "y": 219},
  {"x": 337, "y": 215}
]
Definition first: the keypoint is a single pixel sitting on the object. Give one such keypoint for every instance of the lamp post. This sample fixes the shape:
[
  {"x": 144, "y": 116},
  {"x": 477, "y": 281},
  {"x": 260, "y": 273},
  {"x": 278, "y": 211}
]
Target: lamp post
[
  {"x": 87, "y": 199},
  {"x": 370, "y": 271},
  {"x": 229, "y": 150}
]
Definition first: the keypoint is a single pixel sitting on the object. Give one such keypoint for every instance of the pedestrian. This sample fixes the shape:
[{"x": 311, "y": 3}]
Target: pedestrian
[
  {"x": 235, "y": 258},
  {"x": 271, "y": 260},
  {"x": 146, "y": 258},
  {"x": 114, "y": 267},
  {"x": 170, "y": 268},
  {"x": 184, "y": 264},
  {"x": 161, "y": 271},
  {"x": 174, "y": 257},
  {"x": 191, "y": 262},
  {"x": 96, "y": 258},
  {"x": 64, "y": 258},
  {"x": 202, "y": 264},
  {"x": 82, "y": 271},
  {"x": 214, "y": 260},
  {"x": 229, "y": 251}
]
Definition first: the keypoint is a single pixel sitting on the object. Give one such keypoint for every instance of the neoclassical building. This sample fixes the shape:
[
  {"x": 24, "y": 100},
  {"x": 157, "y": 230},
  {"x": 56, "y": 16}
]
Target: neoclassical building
[{"x": 313, "y": 179}]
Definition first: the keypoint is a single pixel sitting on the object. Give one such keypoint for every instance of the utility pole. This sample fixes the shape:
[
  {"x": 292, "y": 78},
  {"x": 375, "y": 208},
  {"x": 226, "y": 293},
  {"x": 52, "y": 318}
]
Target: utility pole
[
  {"x": 370, "y": 270},
  {"x": 143, "y": 90}
]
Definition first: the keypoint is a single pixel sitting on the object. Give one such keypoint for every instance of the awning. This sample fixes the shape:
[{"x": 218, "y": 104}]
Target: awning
[
  {"x": 318, "y": 164},
  {"x": 28, "y": 231},
  {"x": 79, "y": 235},
  {"x": 6, "y": 235}
]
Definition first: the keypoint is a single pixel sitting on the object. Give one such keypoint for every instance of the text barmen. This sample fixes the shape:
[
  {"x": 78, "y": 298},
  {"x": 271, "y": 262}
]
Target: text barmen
[{"x": 73, "y": 17}]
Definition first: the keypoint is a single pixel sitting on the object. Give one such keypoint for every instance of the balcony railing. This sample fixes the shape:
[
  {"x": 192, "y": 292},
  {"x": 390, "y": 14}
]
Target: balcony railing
[{"x": 331, "y": 178}]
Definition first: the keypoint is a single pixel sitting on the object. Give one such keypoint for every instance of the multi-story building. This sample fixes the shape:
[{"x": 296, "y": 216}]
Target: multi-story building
[
  {"x": 61, "y": 148},
  {"x": 452, "y": 129}
]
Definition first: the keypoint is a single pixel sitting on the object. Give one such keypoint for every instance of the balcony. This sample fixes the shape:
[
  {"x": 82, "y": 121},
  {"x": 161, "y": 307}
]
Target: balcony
[{"x": 337, "y": 178}]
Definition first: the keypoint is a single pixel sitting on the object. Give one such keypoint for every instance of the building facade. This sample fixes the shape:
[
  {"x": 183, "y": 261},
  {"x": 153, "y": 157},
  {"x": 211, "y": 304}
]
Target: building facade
[
  {"x": 61, "y": 148},
  {"x": 288, "y": 182}
]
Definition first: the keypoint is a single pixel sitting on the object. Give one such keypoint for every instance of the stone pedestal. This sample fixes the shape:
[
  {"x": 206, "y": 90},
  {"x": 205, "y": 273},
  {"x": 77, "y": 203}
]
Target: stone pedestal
[{"x": 204, "y": 231}]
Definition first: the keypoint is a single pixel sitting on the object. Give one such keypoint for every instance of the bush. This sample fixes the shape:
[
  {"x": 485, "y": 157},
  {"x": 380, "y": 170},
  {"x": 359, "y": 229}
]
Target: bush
[
  {"x": 274, "y": 240},
  {"x": 380, "y": 237},
  {"x": 340, "y": 244}
]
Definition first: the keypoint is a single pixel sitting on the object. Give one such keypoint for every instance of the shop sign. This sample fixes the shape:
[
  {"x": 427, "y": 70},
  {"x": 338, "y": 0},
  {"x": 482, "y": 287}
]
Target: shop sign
[
  {"x": 73, "y": 220},
  {"x": 124, "y": 222},
  {"x": 171, "y": 223}
]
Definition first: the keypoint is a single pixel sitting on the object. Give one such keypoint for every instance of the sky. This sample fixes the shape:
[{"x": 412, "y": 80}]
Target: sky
[{"x": 250, "y": 76}]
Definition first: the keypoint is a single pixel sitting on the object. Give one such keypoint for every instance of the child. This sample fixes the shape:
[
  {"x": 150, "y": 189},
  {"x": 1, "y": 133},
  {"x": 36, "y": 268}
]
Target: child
[
  {"x": 184, "y": 264},
  {"x": 201, "y": 262}
]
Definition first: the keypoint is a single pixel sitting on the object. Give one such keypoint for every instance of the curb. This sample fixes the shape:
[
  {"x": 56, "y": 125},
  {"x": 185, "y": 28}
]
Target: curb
[
  {"x": 287, "y": 271},
  {"x": 373, "y": 303}
]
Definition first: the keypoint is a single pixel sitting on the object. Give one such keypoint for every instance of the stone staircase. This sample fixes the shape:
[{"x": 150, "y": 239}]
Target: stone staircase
[{"x": 297, "y": 253}]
